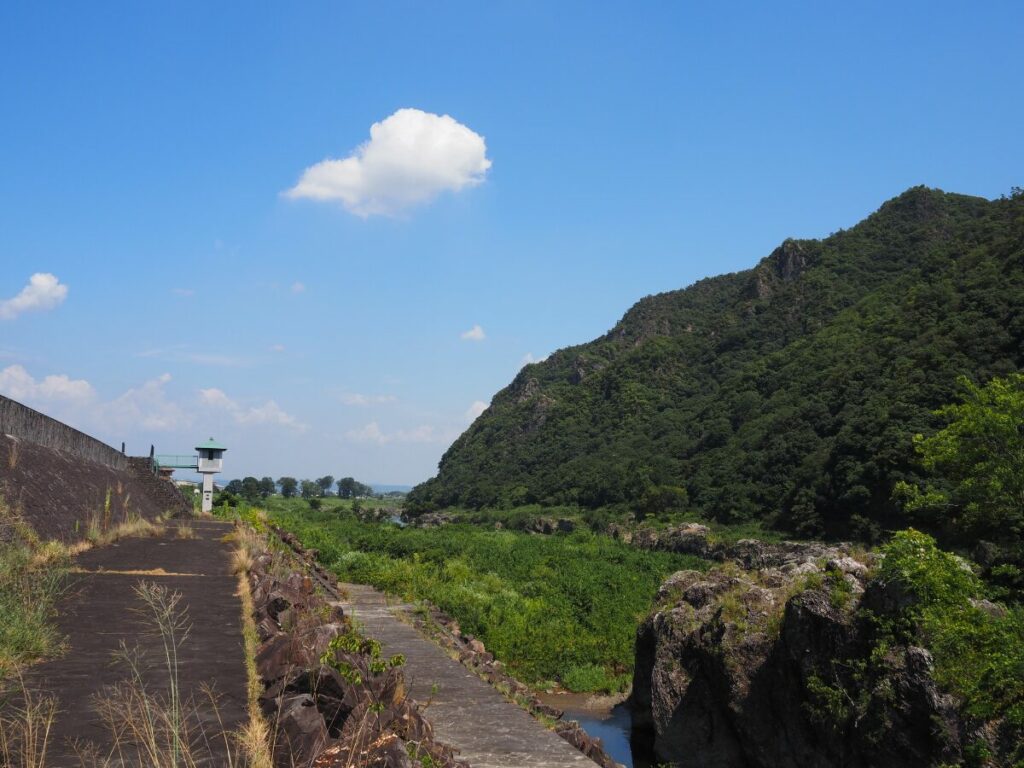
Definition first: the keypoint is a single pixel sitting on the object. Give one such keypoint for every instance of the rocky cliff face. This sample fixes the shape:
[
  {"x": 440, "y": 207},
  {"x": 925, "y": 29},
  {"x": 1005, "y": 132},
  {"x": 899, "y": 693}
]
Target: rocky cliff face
[{"x": 773, "y": 659}]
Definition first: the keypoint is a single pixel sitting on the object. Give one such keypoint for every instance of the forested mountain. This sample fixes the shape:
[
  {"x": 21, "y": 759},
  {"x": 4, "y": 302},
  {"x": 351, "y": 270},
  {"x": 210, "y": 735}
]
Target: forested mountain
[{"x": 788, "y": 392}]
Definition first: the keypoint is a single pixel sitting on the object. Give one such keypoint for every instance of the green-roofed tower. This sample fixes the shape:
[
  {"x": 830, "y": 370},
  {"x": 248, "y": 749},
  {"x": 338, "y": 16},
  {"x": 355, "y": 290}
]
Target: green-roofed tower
[{"x": 211, "y": 461}]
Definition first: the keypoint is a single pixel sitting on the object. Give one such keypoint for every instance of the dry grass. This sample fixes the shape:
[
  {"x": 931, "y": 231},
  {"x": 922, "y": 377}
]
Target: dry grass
[
  {"x": 25, "y": 729},
  {"x": 255, "y": 737},
  {"x": 159, "y": 729},
  {"x": 248, "y": 544},
  {"x": 184, "y": 531},
  {"x": 135, "y": 527}
]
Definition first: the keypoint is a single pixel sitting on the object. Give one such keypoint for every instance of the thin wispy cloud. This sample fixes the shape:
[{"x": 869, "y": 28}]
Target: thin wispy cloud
[
  {"x": 476, "y": 333},
  {"x": 44, "y": 291},
  {"x": 360, "y": 400},
  {"x": 182, "y": 353},
  {"x": 267, "y": 413},
  {"x": 424, "y": 433},
  {"x": 298, "y": 287},
  {"x": 412, "y": 157}
]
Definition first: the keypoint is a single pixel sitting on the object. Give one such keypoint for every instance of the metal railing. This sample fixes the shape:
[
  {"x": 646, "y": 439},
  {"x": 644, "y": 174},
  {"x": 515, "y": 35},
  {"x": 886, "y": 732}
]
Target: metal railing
[{"x": 172, "y": 461}]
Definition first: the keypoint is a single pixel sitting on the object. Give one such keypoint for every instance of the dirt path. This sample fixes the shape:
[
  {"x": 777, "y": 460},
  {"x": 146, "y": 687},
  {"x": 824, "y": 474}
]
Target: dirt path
[
  {"x": 101, "y": 609},
  {"x": 465, "y": 711}
]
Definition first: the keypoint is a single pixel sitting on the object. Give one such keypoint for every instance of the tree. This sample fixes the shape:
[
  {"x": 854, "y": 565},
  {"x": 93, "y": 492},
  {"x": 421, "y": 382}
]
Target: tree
[
  {"x": 325, "y": 484},
  {"x": 267, "y": 487},
  {"x": 250, "y": 489},
  {"x": 350, "y": 488},
  {"x": 289, "y": 486},
  {"x": 977, "y": 461},
  {"x": 309, "y": 489},
  {"x": 346, "y": 487}
]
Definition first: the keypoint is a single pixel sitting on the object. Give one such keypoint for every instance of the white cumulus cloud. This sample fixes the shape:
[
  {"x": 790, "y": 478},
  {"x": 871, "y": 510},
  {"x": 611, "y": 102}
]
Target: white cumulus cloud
[
  {"x": 475, "y": 409},
  {"x": 268, "y": 413},
  {"x": 59, "y": 395},
  {"x": 476, "y": 333},
  {"x": 19, "y": 384},
  {"x": 147, "y": 406},
  {"x": 44, "y": 291},
  {"x": 529, "y": 358},
  {"x": 411, "y": 157}
]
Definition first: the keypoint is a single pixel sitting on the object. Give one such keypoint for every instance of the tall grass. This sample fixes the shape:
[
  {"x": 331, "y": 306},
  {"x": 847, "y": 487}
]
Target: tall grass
[
  {"x": 562, "y": 607},
  {"x": 161, "y": 728},
  {"x": 32, "y": 578},
  {"x": 25, "y": 726}
]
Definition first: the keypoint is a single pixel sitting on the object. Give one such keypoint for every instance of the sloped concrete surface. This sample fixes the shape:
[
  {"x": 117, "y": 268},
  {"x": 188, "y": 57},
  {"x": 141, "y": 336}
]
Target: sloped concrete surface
[
  {"x": 101, "y": 610},
  {"x": 466, "y": 712}
]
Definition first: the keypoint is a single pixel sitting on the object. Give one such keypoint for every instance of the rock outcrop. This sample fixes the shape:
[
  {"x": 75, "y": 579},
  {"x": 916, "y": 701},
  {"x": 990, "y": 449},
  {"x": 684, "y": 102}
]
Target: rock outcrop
[{"x": 773, "y": 659}]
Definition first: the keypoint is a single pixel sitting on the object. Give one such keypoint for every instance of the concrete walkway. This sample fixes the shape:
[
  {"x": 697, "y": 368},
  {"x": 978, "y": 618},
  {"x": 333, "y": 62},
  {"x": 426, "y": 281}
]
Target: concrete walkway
[
  {"x": 466, "y": 712},
  {"x": 101, "y": 609}
]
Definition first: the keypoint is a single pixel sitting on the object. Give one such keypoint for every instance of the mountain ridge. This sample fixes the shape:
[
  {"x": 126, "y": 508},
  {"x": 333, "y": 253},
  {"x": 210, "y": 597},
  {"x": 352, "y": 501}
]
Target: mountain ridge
[{"x": 786, "y": 392}]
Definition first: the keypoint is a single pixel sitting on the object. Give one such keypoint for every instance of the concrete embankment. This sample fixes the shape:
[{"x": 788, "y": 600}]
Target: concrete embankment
[
  {"x": 60, "y": 479},
  {"x": 102, "y": 609}
]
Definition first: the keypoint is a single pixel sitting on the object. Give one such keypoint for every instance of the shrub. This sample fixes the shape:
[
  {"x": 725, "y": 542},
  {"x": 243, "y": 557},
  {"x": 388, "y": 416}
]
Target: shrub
[
  {"x": 552, "y": 607},
  {"x": 979, "y": 653}
]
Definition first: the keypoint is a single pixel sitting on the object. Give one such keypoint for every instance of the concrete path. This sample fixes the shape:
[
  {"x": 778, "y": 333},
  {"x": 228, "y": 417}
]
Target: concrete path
[
  {"x": 101, "y": 609},
  {"x": 466, "y": 712}
]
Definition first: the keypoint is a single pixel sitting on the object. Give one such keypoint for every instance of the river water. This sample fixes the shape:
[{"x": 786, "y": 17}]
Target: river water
[{"x": 615, "y": 729}]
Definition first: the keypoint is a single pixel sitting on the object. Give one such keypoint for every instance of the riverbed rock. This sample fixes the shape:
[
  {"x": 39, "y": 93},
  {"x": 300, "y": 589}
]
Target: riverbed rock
[{"x": 764, "y": 662}]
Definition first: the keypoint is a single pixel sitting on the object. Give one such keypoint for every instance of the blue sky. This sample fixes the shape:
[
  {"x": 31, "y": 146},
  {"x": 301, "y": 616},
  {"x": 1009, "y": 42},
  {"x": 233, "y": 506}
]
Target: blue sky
[{"x": 632, "y": 148}]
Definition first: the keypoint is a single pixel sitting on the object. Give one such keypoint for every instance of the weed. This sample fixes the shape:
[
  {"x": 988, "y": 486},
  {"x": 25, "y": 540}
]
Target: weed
[
  {"x": 254, "y": 737},
  {"x": 25, "y": 731},
  {"x": 32, "y": 577},
  {"x": 160, "y": 729}
]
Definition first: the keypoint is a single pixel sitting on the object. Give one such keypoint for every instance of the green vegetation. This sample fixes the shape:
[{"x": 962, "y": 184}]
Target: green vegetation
[
  {"x": 978, "y": 647},
  {"x": 562, "y": 607},
  {"x": 979, "y": 462},
  {"x": 788, "y": 393},
  {"x": 31, "y": 580}
]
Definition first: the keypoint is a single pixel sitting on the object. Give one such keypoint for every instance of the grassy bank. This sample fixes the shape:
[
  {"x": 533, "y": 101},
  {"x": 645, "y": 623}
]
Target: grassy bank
[
  {"x": 562, "y": 607},
  {"x": 31, "y": 579}
]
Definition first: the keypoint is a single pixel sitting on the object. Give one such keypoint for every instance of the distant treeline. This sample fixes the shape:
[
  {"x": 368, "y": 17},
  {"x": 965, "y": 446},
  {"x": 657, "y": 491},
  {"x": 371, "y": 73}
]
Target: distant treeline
[{"x": 252, "y": 489}]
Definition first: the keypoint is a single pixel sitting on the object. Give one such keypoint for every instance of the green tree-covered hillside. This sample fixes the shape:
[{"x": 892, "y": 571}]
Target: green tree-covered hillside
[{"x": 789, "y": 392}]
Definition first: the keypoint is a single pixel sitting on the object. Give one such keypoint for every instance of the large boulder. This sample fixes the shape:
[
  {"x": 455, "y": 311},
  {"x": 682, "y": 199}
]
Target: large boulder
[{"x": 768, "y": 661}]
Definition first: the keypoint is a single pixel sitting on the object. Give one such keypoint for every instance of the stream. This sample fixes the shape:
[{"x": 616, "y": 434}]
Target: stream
[{"x": 614, "y": 727}]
